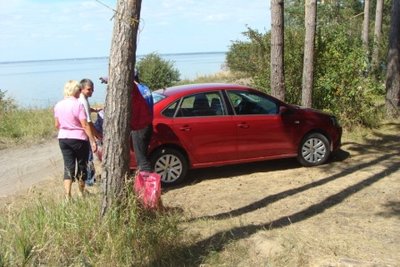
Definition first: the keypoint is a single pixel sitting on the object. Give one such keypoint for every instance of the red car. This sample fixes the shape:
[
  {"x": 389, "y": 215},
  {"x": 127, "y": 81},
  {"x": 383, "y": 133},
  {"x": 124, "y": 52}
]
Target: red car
[{"x": 204, "y": 125}]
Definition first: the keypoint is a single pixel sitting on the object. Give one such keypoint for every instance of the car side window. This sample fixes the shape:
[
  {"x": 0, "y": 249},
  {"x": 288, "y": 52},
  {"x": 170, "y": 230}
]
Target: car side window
[
  {"x": 170, "y": 110},
  {"x": 247, "y": 103},
  {"x": 203, "y": 104}
]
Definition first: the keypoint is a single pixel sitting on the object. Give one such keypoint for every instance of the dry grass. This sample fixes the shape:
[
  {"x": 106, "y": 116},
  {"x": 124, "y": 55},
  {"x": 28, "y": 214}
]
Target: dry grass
[
  {"x": 276, "y": 213},
  {"x": 40, "y": 228},
  {"x": 345, "y": 213}
]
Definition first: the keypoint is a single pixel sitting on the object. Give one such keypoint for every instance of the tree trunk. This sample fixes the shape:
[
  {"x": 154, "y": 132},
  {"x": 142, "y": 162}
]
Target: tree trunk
[
  {"x": 377, "y": 33},
  {"x": 308, "y": 62},
  {"x": 364, "y": 34},
  {"x": 393, "y": 64},
  {"x": 277, "y": 50},
  {"x": 118, "y": 102}
]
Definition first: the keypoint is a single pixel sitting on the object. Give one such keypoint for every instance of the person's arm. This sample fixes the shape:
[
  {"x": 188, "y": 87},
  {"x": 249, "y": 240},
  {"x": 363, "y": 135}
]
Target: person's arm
[
  {"x": 89, "y": 133},
  {"x": 56, "y": 123},
  {"x": 94, "y": 131}
]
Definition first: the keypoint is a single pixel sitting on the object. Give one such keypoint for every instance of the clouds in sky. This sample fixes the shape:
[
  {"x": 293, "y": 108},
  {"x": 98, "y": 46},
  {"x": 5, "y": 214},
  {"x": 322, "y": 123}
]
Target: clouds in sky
[{"x": 54, "y": 29}]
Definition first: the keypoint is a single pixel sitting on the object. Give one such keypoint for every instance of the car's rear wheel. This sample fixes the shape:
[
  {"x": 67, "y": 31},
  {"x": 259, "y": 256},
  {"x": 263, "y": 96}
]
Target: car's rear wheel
[
  {"x": 171, "y": 164},
  {"x": 314, "y": 150}
]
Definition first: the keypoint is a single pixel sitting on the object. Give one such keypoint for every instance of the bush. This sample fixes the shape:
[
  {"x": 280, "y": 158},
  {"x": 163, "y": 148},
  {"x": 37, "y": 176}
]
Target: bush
[
  {"x": 18, "y": 125},
  {"x": 342, "y": 84},
  {"x": 6, "y": 104},
  {"x": 156, "y": 72}
]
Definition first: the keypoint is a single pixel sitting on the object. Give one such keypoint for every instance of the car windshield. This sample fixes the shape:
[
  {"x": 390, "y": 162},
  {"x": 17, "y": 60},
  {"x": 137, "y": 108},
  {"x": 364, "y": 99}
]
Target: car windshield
[{"x": 157, "y": 97}]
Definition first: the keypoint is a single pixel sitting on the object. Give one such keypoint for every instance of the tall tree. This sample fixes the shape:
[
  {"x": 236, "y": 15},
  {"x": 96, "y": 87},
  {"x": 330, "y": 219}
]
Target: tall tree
[
  {"x": 277, "y": 49},
  {"x": 118, "y": 101},
  {"x": 309, "y": 46},
  {"x": 377, "y": 33},
  {"x": 365, "y": 29},
  {"x": 393, "y": 64}
]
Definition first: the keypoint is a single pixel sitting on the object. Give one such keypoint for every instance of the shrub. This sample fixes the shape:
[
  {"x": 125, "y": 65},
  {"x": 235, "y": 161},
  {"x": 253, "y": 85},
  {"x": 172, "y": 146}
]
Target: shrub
[
  {"x": 18, "y": 125},
  {"x": 6, "y": 104},
  {"x": 156, "y": 72},
  {"x": 342, "y": 84}
]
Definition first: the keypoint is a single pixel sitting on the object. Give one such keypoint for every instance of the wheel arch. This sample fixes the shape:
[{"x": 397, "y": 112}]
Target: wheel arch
[
  {"x": 320, "y": 131},
  {"x": 173, "y": 146}
]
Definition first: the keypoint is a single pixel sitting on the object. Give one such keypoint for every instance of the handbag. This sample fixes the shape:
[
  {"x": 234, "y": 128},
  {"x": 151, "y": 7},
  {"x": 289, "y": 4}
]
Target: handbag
[{"x": 147, "y": 187}]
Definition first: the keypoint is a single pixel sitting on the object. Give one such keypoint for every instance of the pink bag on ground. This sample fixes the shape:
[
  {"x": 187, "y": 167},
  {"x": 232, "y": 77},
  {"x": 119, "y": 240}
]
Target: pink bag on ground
[{"x": 148, "y": 189}]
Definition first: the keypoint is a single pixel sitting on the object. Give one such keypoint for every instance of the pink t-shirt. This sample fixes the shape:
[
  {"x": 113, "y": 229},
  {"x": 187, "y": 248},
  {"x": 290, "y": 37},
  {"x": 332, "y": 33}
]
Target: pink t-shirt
[{"x": 69, "y": 112}]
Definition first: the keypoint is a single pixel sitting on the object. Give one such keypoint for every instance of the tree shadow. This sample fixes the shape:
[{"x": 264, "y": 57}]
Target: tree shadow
[
  {"x": 230, "y": 171},
  {"x": 393, "y": 209},
  {"x": 378, "y": 143},
  {"x": 218, "y": 241},
  {"x": 196, "y": 176},
  {"x": 276, "y": 197}
]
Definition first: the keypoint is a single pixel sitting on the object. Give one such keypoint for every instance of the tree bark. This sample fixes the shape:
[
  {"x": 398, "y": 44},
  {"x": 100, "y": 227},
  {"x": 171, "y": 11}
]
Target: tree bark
[
  {"x": 308, "y": 62},
  {"x": 277, "y": 50},
  {"x": 393, "y": 64},
  {"x": 365, "y": 29},
  {"x": 118, "y": 102},
  {"x": 377, "y": 33}
]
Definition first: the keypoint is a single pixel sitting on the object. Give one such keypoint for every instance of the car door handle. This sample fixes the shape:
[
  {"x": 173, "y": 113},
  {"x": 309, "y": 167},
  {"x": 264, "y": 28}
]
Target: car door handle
[
  {"x": 243, "y": 125},
  {"x": 185, "y": 128}
]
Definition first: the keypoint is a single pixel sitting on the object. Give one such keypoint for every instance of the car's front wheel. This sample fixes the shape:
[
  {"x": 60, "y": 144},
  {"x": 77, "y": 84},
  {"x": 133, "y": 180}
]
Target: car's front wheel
[
  {"x": 314, "y": 150},
  {"x": 171, "y": 164}
]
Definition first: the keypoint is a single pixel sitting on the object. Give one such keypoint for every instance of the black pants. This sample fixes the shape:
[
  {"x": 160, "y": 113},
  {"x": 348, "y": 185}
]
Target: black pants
[
  {"x": 75, "y": 154},
  {"x": 141, "y": 140}
]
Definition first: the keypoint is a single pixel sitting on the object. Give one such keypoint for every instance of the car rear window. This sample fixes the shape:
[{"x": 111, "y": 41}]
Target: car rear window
[{"x": 157, "y": 97}]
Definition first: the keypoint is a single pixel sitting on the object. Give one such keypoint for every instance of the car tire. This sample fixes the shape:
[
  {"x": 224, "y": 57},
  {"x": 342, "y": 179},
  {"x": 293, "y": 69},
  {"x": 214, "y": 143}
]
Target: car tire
[
  {"x": 314, "y": 150},
  {"x": 171, "y": 164}
]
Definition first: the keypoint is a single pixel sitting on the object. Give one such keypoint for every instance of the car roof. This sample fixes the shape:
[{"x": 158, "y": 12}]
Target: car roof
[{"x": 199, "y": 87}]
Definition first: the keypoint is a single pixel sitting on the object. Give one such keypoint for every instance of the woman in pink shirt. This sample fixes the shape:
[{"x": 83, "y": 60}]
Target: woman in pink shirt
[{"x": 74, "y": 135}]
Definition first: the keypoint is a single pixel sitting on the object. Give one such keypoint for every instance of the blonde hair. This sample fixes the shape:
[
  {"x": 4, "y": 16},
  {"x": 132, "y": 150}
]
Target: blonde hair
[{"x": 71, "y": 88}]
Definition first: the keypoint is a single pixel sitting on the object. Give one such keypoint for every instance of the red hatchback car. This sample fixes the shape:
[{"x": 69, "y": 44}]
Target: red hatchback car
[{"x": 204, "y": 125}]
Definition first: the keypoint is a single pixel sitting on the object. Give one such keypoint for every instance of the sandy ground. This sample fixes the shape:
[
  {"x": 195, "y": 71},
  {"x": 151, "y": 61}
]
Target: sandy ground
[
  {"x": 275, "y": 213},
  {"x": 22, "y": 167}
]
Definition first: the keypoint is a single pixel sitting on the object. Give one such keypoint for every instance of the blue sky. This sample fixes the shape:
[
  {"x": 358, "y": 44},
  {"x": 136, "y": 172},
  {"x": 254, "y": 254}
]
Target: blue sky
[{"x": 57, "y": 29}]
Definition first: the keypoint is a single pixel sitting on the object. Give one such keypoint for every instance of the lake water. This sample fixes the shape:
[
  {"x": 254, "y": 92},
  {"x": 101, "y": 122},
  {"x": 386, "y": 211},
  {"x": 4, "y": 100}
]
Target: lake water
[{"x": 40, "y": 83}]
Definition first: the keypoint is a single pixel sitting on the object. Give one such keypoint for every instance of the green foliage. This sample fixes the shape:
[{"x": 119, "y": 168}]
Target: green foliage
[
  {"x": 6, "y": 104},
  {"x": 156, "y": 72},
  {"x": 343, "y": 81},
  {"x": 49, "y": 232},
  {"x": 23, "y": 125},
  {"x": 19, "y": 125},
  {"x": 249, "y": 57},
  {"x": 252, "y": 59},
  {"x": 342, "y": 85}
]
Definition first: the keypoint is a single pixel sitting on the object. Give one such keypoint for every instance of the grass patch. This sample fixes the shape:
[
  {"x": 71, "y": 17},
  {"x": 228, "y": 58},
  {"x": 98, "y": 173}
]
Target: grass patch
[
  {"x": 219, "y": 77},
  {"x": 21, "y": 126},
  {"x": 51, "y": 232}
]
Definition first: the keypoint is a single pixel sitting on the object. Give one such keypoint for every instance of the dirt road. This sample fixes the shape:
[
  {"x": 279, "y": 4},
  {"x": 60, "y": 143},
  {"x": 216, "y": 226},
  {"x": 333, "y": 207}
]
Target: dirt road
[
  {"x": 275, "y": 213},
  {"x": 21, "y": 167}
]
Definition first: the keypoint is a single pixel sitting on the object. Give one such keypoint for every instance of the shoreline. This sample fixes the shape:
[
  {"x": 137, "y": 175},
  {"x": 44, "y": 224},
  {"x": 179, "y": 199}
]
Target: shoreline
[{"x": 106, "y": 57}]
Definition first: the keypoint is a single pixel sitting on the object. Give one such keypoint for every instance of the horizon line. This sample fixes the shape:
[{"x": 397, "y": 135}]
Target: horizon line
[{"x": 104, "y": 57}]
